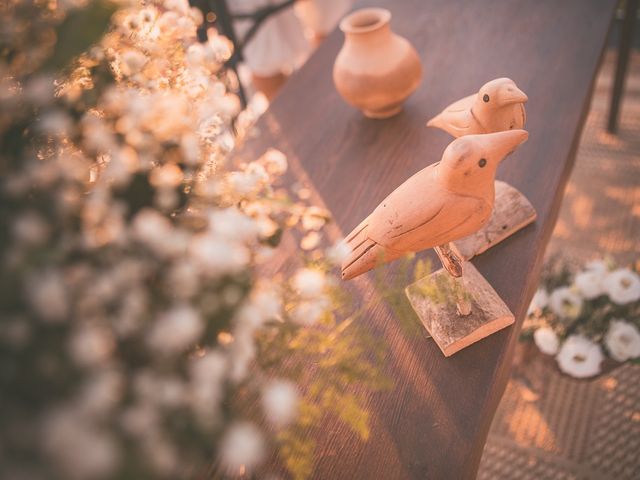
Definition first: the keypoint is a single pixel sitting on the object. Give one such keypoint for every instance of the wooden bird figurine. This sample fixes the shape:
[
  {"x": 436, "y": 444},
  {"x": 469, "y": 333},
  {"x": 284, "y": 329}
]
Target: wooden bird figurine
[
  {"x": 441, "y": 203},
  {"x": 498, "y": 106}
]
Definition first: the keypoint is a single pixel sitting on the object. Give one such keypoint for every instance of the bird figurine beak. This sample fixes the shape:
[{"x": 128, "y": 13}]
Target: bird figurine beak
[
  {"x": 514, "y": 95},
  {"x": 501, "y": 144}
]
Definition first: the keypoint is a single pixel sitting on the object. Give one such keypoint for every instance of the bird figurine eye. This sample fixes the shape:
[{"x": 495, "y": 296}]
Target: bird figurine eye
[
  {"x": 485, "y": 98},
  {"x": 482, "y": 162}
]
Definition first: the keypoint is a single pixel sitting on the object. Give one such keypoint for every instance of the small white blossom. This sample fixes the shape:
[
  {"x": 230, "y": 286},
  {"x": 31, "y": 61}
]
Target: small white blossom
[
  {"x": 622, "y": 286},
  {"x": 232, "y": 224},
  {"x": 308, "y": 312},
  {"x": 274, "y": 161},
  {"x": 565, "y": 303},
  {"x": 268, "y": 303},
  {"x": 31, "y": 228},
  {"x": 152, "y": 228},
  {"x": 133, "y": 61},
  {"x": 175, "y": 330},
  {"x": 309, "y": 283},
  {"x": 217, "y": 256},
  {"x": 314, "y": 218},
  {"x": 102, "y": 391},
  {"x": 589, "y": 283},
  {"x": 280, "y": 402},
  {"x": 546, "y": 340},
  {"x": 622, "y": 340},
  {"x": 242, "y": 446},
  {"x": 539, "y": 301},
  {"x": 598, "y": 266},
  {"x": 195, "y": 54},
  {"x": 48, "y": 296},
  {"x": 337, "y": 253},
  {"x": 580, "y": 357},
  {"x": 91, "y": 344},
  {"x": 79, "y": 448}
]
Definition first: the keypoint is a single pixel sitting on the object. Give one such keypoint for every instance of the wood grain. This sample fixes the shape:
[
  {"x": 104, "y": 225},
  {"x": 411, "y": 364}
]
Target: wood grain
[
  {"x": 450, "y": 331},
  {"x": 512, "y": 211},
  {"x": 434, "y": 422}
]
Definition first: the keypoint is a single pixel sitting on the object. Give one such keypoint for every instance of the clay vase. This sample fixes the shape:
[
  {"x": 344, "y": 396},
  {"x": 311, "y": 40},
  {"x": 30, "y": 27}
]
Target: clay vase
[{"x": 376, "y": 70}]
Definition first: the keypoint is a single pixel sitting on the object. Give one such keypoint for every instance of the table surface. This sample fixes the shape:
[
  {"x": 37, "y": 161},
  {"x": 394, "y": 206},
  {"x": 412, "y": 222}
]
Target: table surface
[{"x": 433, "y": 423}]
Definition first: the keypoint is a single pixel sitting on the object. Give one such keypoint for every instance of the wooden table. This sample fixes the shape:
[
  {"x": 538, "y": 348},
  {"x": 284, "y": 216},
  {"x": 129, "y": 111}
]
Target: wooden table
[{"x": 434, "y": 422}]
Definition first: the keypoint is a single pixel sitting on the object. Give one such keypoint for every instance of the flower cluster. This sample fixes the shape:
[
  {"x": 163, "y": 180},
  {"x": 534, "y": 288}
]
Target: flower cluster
[
  {"x": 580, "y": 318},
  {"x": 133, "y": 288}
]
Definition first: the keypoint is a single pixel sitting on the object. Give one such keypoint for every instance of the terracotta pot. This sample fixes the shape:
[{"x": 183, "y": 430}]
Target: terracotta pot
[{"x": 376, "y": 70}]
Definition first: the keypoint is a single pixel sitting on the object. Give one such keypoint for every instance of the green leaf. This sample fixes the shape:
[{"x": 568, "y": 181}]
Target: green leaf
[{"x": 79, "y": 30}]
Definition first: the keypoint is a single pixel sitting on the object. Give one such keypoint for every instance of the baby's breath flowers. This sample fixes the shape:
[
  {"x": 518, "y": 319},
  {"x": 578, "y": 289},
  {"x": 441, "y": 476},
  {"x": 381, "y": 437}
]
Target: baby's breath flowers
[
  {"x": 132, "y": 287},
  {"x": 594, "y": 312}
]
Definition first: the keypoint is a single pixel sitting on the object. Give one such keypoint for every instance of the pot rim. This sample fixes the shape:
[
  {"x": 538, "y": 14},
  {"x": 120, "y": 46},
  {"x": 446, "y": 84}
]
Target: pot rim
[{"x": 365, "y": 20}]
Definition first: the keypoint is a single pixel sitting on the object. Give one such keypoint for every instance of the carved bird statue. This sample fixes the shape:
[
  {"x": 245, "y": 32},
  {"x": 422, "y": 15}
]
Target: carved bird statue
[
  {"x": 498, "y": 106},
  {"x": 441, "y": 203}
]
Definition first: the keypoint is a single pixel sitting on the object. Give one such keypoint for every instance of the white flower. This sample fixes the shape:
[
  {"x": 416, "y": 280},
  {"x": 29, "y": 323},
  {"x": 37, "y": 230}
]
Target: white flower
[
  {"x": 280, "y": 402},
  {"x": 580, "y": 357},
  {"x": 153, "y": 229},
  {"x": 589, "y": 283},
  {"x": 195, "y": 54},
  {"x": 308, "y": 312},
  {"x": 79, "y": 448},
  {"x": 48, "y": 295},
  {"x": 242, "y": 446},
  {"x": 268, "y": 302},
  {"x": 338, "y": 252},
  {"x": 598, "y": 266},
  {"x": 314, "y": 218},
  {"x": 309, "y": 283},
  {"x": 546, "y": 340},
  {"x": 217, "y": 256},
  {"x": 565, "y": 303},
  {"x": 91, "y": 344},
  {"x": 175, "y": 330},
  {"x": 133, "y": 61},
  {"x": 274, "y": 161},
  {"x": 102, "y": 391},
  {"x": 539, "y": 301},
  {"x": 622, "y": 286},
  {"x": 622, "y": 340},
  {"x": 232, "y": 224}
]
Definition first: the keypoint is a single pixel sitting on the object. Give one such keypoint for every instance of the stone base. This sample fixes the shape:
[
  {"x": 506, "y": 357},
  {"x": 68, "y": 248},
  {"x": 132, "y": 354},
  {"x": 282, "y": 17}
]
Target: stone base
[
  {"x": 512, "y": 212},
  {"x": 434, "y": 300}
]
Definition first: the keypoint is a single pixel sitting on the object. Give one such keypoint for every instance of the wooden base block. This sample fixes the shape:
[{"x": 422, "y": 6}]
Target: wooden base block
[
  {"x": 512, "y": 211},
  {"x": 434, "y": 300}
]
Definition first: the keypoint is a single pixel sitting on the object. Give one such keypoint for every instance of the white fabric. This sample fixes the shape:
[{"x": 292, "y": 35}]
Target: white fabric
[
  {"x": 322, "y": 16},
  {"x": 279, "y": 44}
]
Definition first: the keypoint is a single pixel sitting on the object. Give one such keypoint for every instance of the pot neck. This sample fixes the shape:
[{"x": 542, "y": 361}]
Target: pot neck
[
  {"x": 367, "y": 25},
  {"x": 379, "y": 34}
]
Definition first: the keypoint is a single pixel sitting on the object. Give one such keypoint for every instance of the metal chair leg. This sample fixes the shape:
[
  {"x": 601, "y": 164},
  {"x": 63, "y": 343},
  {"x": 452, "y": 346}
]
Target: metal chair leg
[{"x": 624, "y": 52}]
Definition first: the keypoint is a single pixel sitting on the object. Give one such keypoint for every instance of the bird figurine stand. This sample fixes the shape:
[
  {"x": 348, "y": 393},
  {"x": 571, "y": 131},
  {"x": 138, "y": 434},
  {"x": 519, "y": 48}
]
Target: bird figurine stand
[
  {"x": 498, "y": 106},
  {"x": 442, "y": 203},
  {"x": 456, "y": 305}
]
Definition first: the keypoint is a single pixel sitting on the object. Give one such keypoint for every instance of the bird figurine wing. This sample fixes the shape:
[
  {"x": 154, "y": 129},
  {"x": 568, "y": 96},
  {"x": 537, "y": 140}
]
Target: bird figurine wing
[
  {"x": 463, "y": 104},
  {"x": 397, "y": 227},
  {"x": 431, "y": 219},
  {"x": 456, "y": 118}
]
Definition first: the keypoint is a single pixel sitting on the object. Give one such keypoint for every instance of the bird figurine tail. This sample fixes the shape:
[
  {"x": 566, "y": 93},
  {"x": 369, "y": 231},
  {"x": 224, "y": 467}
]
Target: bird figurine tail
[
  {"x": 365, "y": 253},
  {"x": 436, "y": 122}
]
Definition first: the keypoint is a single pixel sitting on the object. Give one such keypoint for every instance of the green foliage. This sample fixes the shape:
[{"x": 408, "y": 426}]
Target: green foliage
[
  {"x": 80, "y": 29},
  {"x": 339, "y": 363}
]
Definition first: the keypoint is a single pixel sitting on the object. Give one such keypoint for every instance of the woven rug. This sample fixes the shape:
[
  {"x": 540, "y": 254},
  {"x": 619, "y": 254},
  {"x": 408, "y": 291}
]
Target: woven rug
[{"x": 549, "y": 426}]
